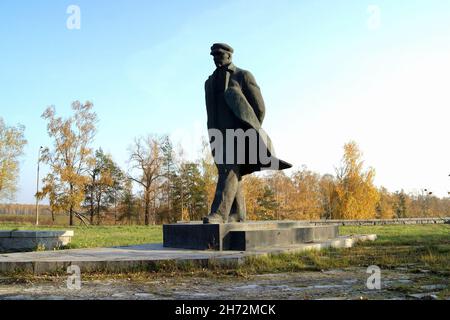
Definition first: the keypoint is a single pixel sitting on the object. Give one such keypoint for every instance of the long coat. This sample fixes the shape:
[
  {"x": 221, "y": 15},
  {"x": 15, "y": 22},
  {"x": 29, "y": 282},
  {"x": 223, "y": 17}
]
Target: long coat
[{"x": 243, "y": 96}]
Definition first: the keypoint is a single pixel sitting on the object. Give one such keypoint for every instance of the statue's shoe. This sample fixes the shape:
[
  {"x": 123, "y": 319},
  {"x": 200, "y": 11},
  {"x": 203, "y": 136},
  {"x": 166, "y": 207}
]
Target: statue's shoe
[
  {"x": 213, "y": 219},
  {"x": 235, "y": 217}
]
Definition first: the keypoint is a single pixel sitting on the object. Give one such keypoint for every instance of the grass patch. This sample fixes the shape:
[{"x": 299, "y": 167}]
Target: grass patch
[
  {"x": 416, "y": 247},
  {"x": 409, "y": 235},
  {"x": 433, "y": 259},
  {"x": 101, "y": 236}
]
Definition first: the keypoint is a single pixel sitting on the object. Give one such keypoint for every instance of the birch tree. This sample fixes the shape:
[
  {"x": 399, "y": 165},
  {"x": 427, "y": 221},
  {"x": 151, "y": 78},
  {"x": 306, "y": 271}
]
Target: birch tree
[
  {"x": 12, "y": 143},
  {"x": 146, "y": 161},
  {"x": 70, "y": 157},
  {"x": 356, "y": 195}
]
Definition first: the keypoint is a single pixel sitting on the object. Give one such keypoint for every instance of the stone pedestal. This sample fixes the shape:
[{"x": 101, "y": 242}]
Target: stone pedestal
[
  {"x": 18, "y": 241},
  {"x": 244, "y": 236}
]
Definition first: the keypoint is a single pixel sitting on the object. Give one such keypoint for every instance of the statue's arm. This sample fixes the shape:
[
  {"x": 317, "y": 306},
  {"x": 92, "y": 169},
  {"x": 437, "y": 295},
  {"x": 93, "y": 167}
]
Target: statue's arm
[
  {"x": 209, "y": 110},
  {"x": 253, "y": 94}
]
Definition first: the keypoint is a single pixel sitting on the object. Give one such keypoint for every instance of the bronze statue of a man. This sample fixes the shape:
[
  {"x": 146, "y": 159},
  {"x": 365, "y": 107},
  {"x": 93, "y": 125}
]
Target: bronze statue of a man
[{"x": 235, "y": 110}]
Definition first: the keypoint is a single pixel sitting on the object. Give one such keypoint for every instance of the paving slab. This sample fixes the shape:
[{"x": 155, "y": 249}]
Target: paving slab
[{"x": 145, "y": 257}]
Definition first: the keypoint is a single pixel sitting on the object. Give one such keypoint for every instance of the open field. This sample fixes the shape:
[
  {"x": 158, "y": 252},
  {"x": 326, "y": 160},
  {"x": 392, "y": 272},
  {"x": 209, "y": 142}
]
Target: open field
[
  {"x": 46, "y": 219},
  {"x": 28, "y": 219}
]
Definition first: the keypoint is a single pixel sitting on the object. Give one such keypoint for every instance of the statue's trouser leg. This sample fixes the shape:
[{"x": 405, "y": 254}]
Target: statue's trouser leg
[
  {"x": 238, "y": 207},
  {"x": 226, "y": 191}
]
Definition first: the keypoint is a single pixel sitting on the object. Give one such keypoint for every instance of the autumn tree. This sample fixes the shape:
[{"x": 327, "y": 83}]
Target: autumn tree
[
  {"x": 423, "y": 199},
  {"x": 282, "y": 188},
  {"x": 268, "y": 205},
  {"x": 105, "y": 183},
  {"x": 306, "y": 199},
  {"x": 254, "y": 192},
  {"x": 386, "y": 204},
  {"x": 190, "y": 195},
  {"x": 400, "y": 204},
  {"x": 52, "y": 192},
  {"x": 169, "y": 169},
  {"x": 12, "y": 142},
  {"x": 327, "y": 186},
  {"x": 209, "y": 171},
  {"x": 70, "y": 157},
  {"x": 356, "y": 195},
  {"x": 146, "y": 165},
  {"x": 128, "y": 204},
  {"x": 433, "y": 204}
]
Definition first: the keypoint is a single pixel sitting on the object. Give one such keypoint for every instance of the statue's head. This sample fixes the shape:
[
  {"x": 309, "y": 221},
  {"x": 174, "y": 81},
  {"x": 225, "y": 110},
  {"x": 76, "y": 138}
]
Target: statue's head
[{"x": 222, "y": 54}]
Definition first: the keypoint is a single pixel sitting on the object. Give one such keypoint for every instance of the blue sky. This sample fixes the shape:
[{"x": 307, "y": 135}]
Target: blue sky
[{"x": 326, "y": 74}]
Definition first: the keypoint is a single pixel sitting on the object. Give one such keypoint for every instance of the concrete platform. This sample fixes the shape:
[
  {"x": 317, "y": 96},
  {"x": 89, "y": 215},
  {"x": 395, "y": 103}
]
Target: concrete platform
[
  {"x": 22, "y": 240},
  {"x": 244, "y": 236},
  {"x": 146, "y": 257}
]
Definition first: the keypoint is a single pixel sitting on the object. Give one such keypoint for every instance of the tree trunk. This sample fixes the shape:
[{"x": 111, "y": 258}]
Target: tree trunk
[
  {"x": 146, "y": 214},
  {"x": 154, "y": 210},
  {"x": 98, "y": 212},
  {"x": 71, "y": 216},
  {"x": 146, "y": 208},
  {"x": 71, "y": 207},
  {"x": 92, "y": 210},
  {"x": 115, "y": 207}
]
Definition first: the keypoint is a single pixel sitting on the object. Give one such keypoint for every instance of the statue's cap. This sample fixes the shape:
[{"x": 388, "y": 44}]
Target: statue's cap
[{"x": 221, "y": 47}]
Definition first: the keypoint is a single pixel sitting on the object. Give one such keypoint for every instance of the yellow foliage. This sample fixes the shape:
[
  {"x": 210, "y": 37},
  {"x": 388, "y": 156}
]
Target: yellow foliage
[
  {"x": 185, "y": 214},
  {"x": 356, "y": 195},
  {"x": 385, "y": 206},
  {"x": 253, "y": 191},
  {"x": 12, "y": 143},
  {"x": 306, "y": 198},
  {"x": 69, "y": 158}
]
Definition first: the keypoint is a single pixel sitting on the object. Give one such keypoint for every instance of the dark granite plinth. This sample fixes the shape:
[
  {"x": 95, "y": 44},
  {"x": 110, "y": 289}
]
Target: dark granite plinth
[
  {"x": 244, "y": 236},
  {"x": 193, "y": 236}
]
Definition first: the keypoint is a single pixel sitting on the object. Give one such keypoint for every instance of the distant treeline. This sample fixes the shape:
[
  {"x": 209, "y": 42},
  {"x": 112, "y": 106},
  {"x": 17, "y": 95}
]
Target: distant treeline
[
  {"x": 302, "y": 195},
  {"x": 23, "y": 209}
]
